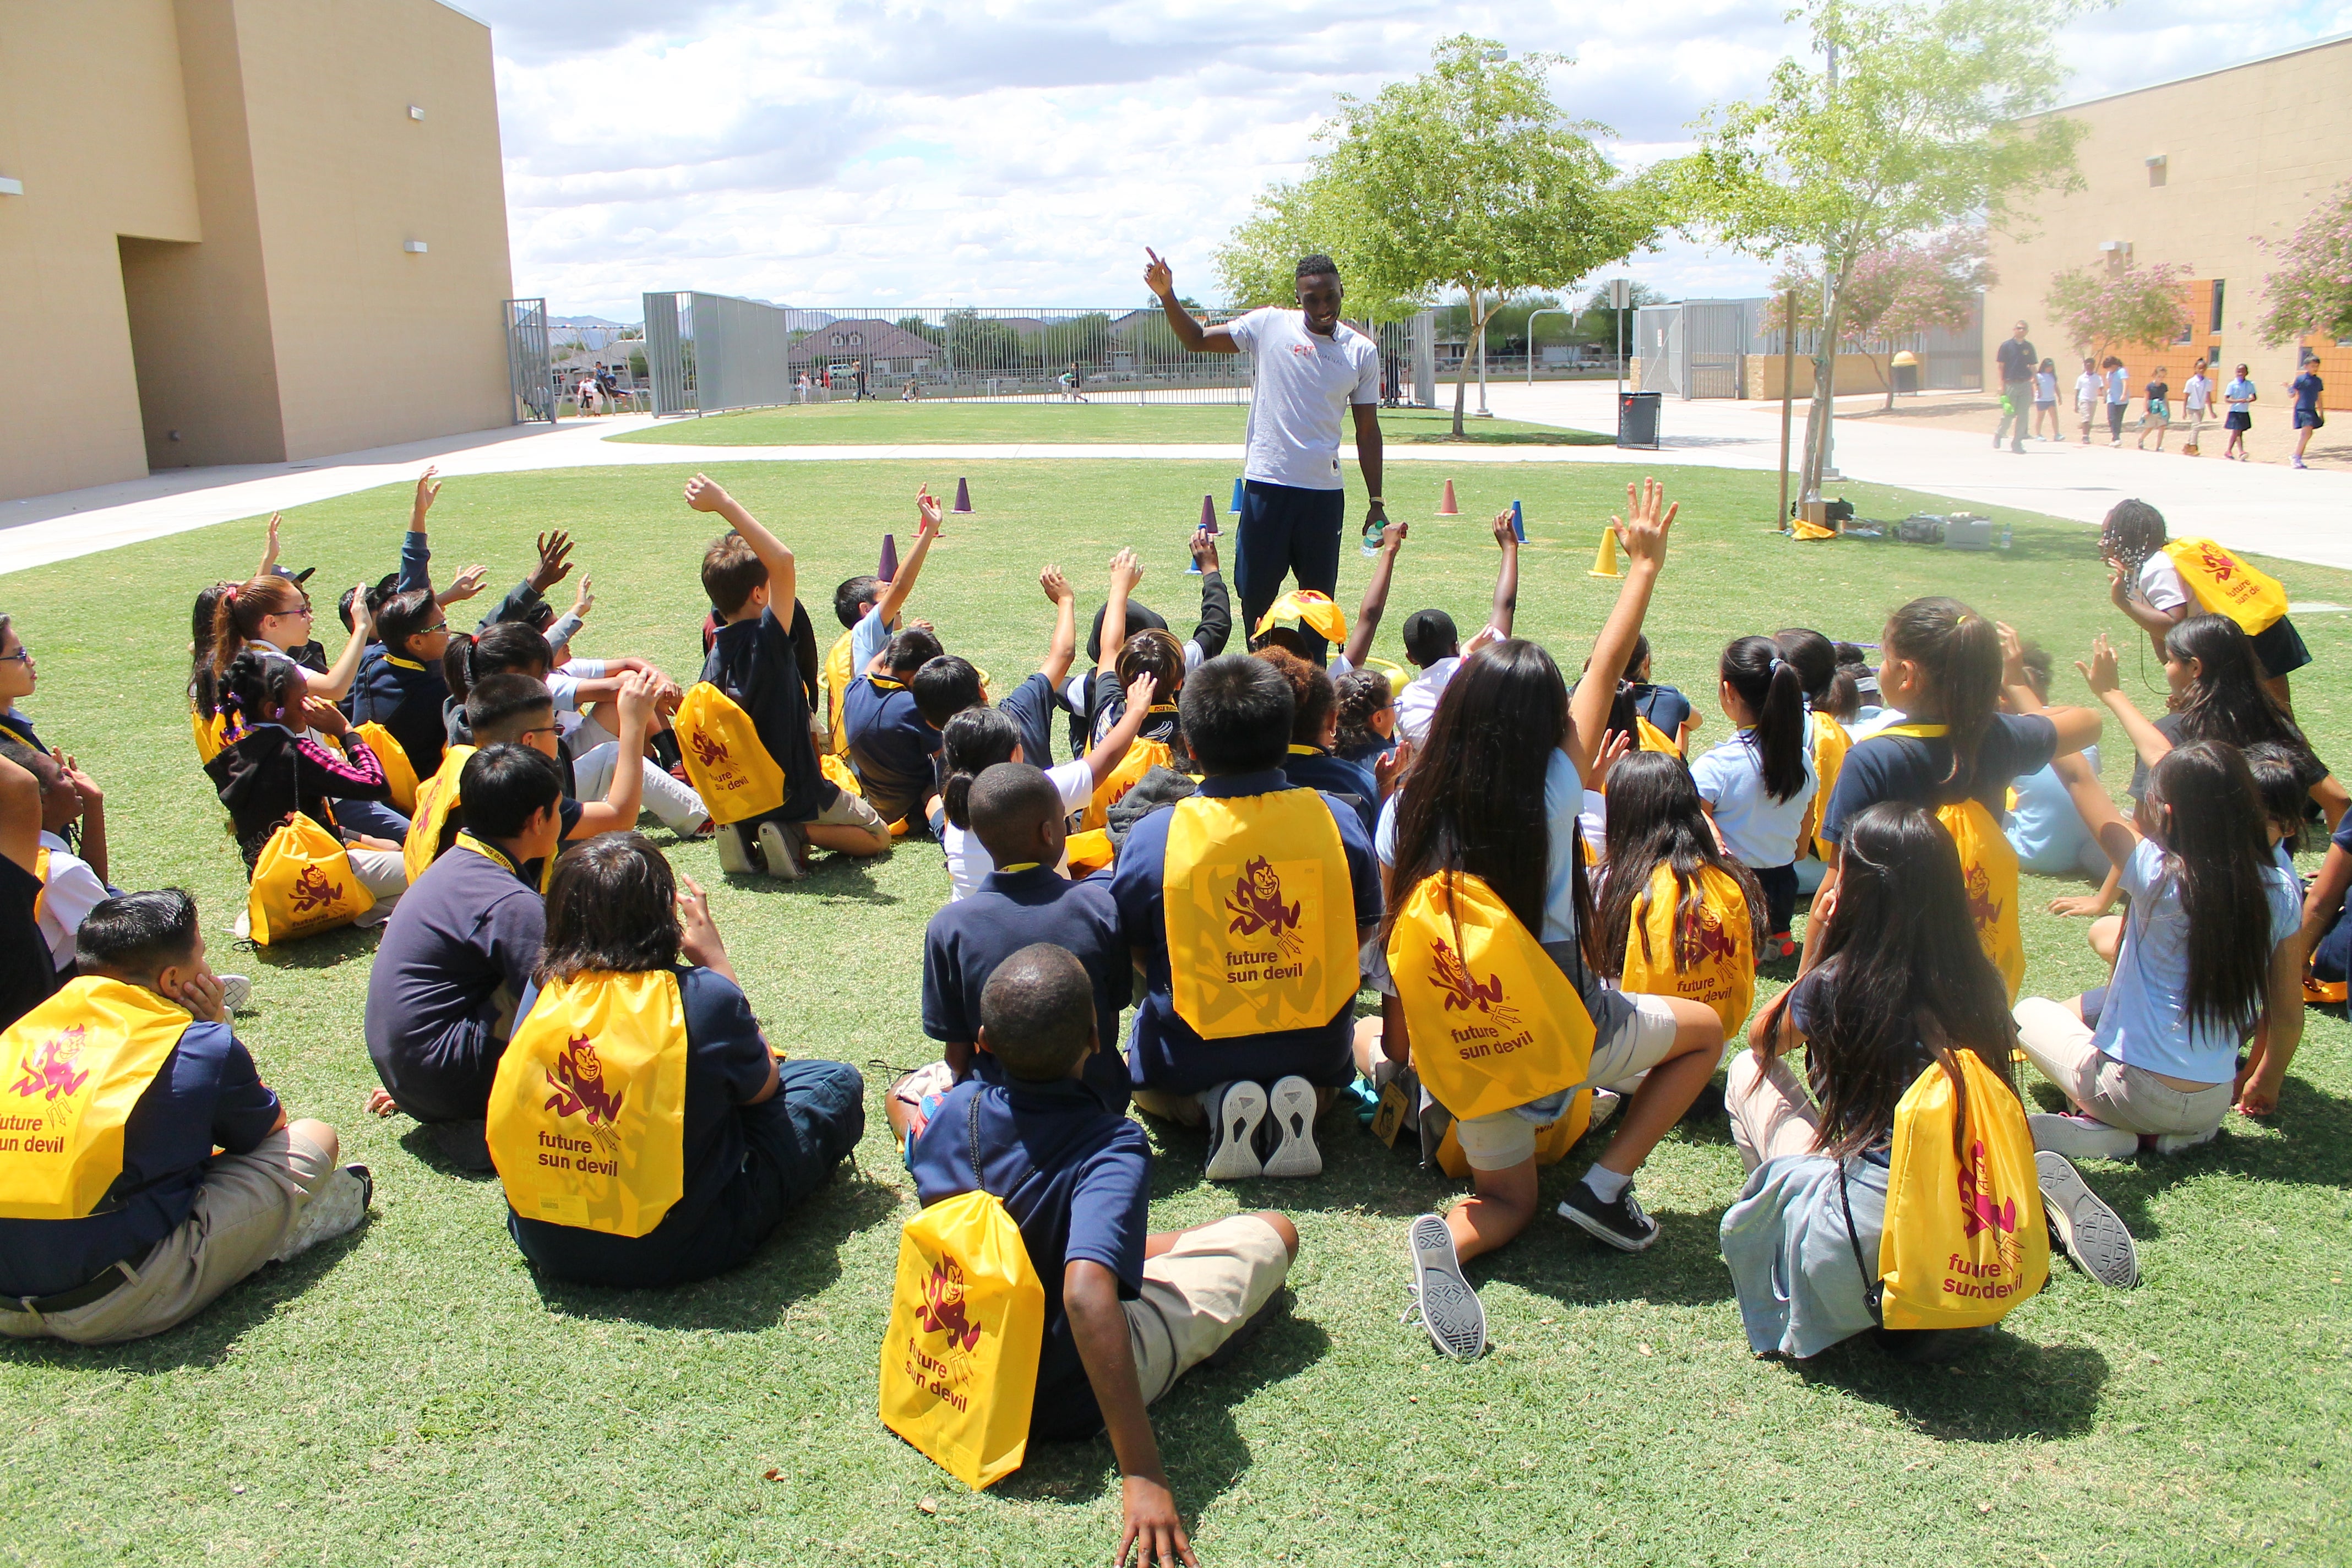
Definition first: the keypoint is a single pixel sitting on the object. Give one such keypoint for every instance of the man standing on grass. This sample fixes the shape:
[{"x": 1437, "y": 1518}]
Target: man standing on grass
[
  {"x": 2017, "y": 361},
  {"x": 1309, "y": 366}
]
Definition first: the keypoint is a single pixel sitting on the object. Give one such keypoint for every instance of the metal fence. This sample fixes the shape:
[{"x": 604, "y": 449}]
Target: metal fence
[
  {"x": 527, "y": 362},
  {"x": 1699, "y": 348},
  {"x": 707, "y": 353}
]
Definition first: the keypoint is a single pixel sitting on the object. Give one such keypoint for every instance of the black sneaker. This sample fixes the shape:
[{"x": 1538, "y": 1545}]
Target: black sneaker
[{"x": 1622, "y": 1224}]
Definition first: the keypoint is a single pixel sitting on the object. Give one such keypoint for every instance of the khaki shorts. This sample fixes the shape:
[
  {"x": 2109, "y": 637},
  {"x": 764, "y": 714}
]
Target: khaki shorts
[
  {"x": 1198, "y": 1294},
  {"x": 2121, "y": 1095},
  {"x": 1644, "y": 1038},
  {"x": 243, "y": 1212}
]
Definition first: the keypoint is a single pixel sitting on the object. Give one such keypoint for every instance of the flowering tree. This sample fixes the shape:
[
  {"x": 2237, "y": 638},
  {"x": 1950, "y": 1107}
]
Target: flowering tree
[
  {"x": 2102, "y": 309},
  {"x": 2312, "y": 292},
  {"x": 1894, "y": 291}
]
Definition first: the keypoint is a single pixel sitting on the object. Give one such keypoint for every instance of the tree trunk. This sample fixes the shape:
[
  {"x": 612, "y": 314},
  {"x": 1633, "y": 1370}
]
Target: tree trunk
[
  {"x": 1477, "y": 337},
  {"x": 1824, "y": 405}
]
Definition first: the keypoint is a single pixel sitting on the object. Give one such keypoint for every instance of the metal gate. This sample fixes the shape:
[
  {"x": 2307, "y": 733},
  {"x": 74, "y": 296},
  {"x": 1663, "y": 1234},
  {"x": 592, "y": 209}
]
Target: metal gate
[
  {"x": 1715, "y": 333},
  {"x": 527, "y": 371},
  {"x": 1658, "y": 339},
  {"x": 669, "y": 352}
]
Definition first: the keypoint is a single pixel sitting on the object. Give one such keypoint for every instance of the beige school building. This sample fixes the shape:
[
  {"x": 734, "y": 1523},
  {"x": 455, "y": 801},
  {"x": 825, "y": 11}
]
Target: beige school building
[
  {"x": 2196, "y": 174},
  {"x": 245, "y": 231}
]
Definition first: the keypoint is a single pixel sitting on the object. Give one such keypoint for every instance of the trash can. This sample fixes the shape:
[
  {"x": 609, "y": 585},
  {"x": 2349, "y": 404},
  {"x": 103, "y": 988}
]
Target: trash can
[
  {"x": 1637, "y": 419},
  {"x": 1905, "y": 367}
]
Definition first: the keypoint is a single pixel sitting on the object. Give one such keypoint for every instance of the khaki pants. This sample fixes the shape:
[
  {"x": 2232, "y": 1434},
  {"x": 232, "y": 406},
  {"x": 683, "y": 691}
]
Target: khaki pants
[
  {"x": 2121, "y": 1096},
  {"x": 243, "y": 1212},
  {"x": 1198, "y": 1294},
  {"x": 381, "y": 872},
  {"x": 1771, "y": 1113}
]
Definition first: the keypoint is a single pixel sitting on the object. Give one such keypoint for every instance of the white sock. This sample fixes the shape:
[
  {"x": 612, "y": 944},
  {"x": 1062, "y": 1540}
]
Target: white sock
[{"x": 1606, "y": 1183}]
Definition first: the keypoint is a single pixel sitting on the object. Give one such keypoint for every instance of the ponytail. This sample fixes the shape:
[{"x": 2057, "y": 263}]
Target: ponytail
[
  {"x": 238, "y": 612},
  {"x": 458, "y": 664},
  {"x": 1771, "y": 689},
  {"x": 1958, "y": 655},
  {"x": 507, "y": 647},
  {"x": 974, "y": 741},
  {"x": 254, "y": 688}
]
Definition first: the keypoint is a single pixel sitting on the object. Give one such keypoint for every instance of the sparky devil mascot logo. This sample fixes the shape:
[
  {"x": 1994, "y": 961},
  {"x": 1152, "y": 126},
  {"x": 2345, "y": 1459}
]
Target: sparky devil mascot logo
[{"x": 1257, "y": 906}]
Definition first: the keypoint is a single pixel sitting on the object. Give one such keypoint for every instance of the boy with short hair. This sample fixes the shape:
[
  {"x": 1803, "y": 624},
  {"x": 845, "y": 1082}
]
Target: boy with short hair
[
  {"x": 868, "y": 610},
  {"x": 1431, "y": 642},
  {"x": 1127, "y": 1312},
  {"x": 520, "y": 707},
  {"x": 177, "y": 1225},
  {"x": 1017, "y": 816},
  {"x": 1246, "y": 903},
  {"x": 751, "y": 578},
  {"x": 457, "y": 954},
  {"x": 891, "y": 744}
]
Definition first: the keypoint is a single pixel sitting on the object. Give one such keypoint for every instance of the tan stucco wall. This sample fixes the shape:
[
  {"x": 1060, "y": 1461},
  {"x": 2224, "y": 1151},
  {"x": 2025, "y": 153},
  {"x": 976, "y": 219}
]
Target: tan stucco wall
[
  {"x": 2249, "y": 151},
  {"x": 216, "y": 193}
]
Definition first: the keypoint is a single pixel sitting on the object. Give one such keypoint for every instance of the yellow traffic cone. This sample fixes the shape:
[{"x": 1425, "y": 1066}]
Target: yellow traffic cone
[{"x": 1604, "y": 560}]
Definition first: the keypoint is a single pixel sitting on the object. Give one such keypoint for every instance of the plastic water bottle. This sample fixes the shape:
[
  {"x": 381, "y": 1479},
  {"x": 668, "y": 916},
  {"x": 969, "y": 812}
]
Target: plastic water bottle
[
  {"x": 2004, "y": 536},
  {"x": 1372, "y": 535}
]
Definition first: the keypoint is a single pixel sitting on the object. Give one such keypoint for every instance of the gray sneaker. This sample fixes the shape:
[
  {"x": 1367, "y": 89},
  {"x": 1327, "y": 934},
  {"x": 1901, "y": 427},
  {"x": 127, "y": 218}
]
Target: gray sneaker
[
  {"x": 1448, "y": 1307},
  {"x": 734, "y": 851},
  {"x": 234, "y": 991},
  {"x": 335, "y": 1209},
  {"x": 784, "y": 850},
  {"x": 2089, "y": 1232}
]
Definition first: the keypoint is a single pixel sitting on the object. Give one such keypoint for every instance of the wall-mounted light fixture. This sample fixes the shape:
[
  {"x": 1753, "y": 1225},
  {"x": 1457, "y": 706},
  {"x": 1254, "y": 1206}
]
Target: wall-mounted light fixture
[
  {"x": 416, "y": 111},
  {"x": 2155, "y": 169},
  {"x": 413, "y": 246},
  {"x": 11, "y": 187}
]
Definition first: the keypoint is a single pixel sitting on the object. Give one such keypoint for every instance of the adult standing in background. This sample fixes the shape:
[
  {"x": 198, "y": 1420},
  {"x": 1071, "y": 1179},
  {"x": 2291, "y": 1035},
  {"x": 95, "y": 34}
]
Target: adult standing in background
[
  {"x": 2016, "y": 359},
  {"x": 1310, "y": 366}
]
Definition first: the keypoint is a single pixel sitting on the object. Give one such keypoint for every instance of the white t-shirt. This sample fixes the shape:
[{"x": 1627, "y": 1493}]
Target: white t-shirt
[
  {"x": 969, "y": 861},
  {"x": 2086, "y": 389},
  {"x": 1305, "y": 384},
  {"x": 1417, "y": 703},
  {"x": 71, "y": 891},
  {"x": 2160, "y": 584},
  {"x": 2197, "y": 393},
  {"x": 2045, "y": 386},
  {"x": 1760, "y": 832}
]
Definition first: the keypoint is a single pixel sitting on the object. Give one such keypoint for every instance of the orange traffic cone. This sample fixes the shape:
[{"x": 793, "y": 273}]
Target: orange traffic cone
[
  {"x": 1447, "y": 507},
  {"x": 1604, "y": 560}
]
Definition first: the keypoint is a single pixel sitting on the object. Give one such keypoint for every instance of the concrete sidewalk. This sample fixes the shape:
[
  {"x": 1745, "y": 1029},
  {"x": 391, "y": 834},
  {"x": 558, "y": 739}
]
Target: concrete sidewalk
[{"x": 2274, "y": 510}]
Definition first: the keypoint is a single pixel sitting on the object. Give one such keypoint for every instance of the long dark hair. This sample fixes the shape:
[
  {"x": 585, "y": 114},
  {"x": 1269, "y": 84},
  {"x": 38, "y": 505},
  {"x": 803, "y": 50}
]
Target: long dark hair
[
  {"x": 1475, "y": 800},
  {"x": 1903, "y": 979},
  {"x": 254, "y": 690},
  {"x": 975, "y": 740},
  {"x": 1655, "y": 818},
  {"x": 509, "y": 648},
  {"x": 203, "y": 680},
  {"x": 2209, "y": 819},
  {"x": 1958, "y": 655},
  {"x": 2227, "y": 700},
  {"x": 2278, "y": 782},
  {"x": 611, "y": 905},
  {"x": 1771, "y": 689},
  {"x": 1830, "y": 686}
]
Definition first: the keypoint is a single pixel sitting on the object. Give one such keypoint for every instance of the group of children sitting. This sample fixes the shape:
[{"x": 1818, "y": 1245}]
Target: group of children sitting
[{"x": 1560, "y": 899}]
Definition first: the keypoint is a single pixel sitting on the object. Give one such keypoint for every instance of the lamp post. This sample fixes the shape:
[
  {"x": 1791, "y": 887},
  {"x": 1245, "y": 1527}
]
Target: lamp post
[
  {"x": 1531, "y": 335},
  {"x": 1492, "y": 58}
]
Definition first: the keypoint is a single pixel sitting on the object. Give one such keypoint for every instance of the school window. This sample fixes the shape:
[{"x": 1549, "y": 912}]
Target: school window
[
  {"x": 2216, "y": 326},
  {"x": 2156, "y": 167}
]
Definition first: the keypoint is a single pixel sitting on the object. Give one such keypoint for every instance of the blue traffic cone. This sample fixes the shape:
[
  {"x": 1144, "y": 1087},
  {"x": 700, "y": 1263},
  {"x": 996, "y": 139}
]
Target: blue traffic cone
[
  {"x": 1235, "y": 510},
  {"x": 1519, "y": 524}
]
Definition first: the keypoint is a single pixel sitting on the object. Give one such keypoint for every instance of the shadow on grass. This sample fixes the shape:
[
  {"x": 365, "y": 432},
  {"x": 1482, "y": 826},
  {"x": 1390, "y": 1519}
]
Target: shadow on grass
[
  {"x": 426, "y": 1150},
  {"x": 843, "y": 876},
  {"x": 325, "y": 951},
  {"x": 2002, "y": 1389},
  {"x": 801, "y": 1259},
  {"x": 1200, "y": 1446},
  {"x": 206, "y": 1339}
]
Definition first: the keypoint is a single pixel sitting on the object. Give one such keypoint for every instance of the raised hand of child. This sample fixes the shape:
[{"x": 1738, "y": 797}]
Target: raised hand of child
[
  {"x": 2012, "y": 655},
  {"x": 583, "y": 598},
  {"x": 202, "y": 993},
  {"x": 363, "y": 618},
  {"x": 1391, "y": 766},
  {"x": 1205, "y": 548},
  {"x": 1126, "y": 571},
  {"x": 2104, "y": 673},
  {"x": 1504, "y": 538},
  {"x": 705, "y": 494},
  {"x": 468, "y": 584},
  {"x": 1644, "y": 537},
  {"x": 269, "y": 550},
  {"x": 427, "y": 487},
  {"x": 636, "y": 699},
  {"x": 325, "y": 717},
  {"x": 1613, "y": 751},
  {"x": 1140, "y": 693},
  {"x": 1393, "y": 532},
  {"x": 554, "y": 561},
  {"x": 928, "y": 516},
  {"x": 1057, "y": 587},
  {"x": 1157, "y": 277},
  {"x": 2119, "y": 584},
  {"x": 698, "y": 940}
]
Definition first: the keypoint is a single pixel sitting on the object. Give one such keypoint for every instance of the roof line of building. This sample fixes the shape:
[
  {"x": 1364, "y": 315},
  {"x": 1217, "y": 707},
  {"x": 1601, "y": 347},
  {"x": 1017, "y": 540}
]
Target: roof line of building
[
  {"x": 453, "y": 5},
  {"x": 2199, "y": 76}
]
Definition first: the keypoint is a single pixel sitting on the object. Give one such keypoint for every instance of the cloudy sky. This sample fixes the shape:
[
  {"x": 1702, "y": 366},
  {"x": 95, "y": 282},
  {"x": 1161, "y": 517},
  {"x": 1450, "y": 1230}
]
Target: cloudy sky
[{"x": 829, "y": 153}]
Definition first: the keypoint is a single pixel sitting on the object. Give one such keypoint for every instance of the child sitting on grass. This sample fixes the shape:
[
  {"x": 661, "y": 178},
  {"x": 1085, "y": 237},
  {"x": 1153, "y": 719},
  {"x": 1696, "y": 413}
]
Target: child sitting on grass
[
  {"x": 1431, "y": 643},
  {"x": 1678, "y": 915},
  {"x": 869, "y": 610},
  {"x": 891, "y": 743},
  {"x": 1016, "y": 813},
  {"x": 1128, "y": 618},
  {"x": 1759, "y": 785},
  {"x": 1128, "y": 1312},
  {"x": 1668, "y": 710},
  {"x": 2048, "y": 835},
  {"x": 1314, "y": 728},
  {"x": 181, "y": 1224},
  {"x": 1367, "y": 709},
  {"x": 1250, "y": 980},
  {"x": 747, "y": 573}
]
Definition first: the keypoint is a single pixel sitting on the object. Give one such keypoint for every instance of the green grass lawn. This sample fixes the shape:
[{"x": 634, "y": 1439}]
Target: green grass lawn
[
  {"x": 892, "y": 423},
  {"x": 411, "y": 1394}
]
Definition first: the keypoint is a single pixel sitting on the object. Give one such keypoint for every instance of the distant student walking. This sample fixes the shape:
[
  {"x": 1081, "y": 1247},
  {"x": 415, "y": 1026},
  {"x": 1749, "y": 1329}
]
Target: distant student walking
[
  {"x": 2016, "y": 359},
  {"x": 2306, "y": 387},
  {"x": 2240, "y": 395}
]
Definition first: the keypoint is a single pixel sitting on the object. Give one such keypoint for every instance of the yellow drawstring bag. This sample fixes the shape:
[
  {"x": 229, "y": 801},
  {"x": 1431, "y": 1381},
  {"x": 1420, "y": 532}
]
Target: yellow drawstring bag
[
  {"x": 398, "y": 771},
  {"x": 838, "y": 770},
  {"x": 73, "y": 1067},
  {"x": 1710, "y": 958},
  {"x": 1140, "y": 759},
  {"x": 212, "y": 734},
  {"x": 1964, "y": 1239},
  {"x": 1090, "y": 852},
  {"x": 2226, "y": 585},
  {"x": 303, "y": 884},
  {"x": 1399, "y": 675},
  {"x": 732, "y": 771},
  {"x": 1260, "y": 912},
  {"x": 1492, "y": 1044},
  {"x": 967, "y": 1320},
  {"x": 1830, "y": 743},
  {"x": 436, "y": 797},
  {"x": 837, "y": 677},
  {"x": 1648, "y": 737},
  {"x": 1304, "y": 607},
  {"x": 1988, "y": 871},
  {"x": 587, "y": 1115}
]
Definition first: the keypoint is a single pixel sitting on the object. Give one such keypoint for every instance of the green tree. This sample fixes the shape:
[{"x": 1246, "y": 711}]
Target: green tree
[
  {"x": 2103, "y": 308},
  {"x": 1468, "y": 179},
  {"x": 1925, "y": 114},
  {"x": 1897, "y": 292},
  {"x": 1599, "y": 322},
  {"x": 2312, "y": 293}
]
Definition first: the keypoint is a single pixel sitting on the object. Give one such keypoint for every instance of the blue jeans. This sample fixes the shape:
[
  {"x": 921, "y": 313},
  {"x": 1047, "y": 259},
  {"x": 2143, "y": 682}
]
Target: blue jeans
[
  {"x": 2331, "y": 957},
  {"x": 373, "y": 818},
  {"x": 1286, "y": 530}
]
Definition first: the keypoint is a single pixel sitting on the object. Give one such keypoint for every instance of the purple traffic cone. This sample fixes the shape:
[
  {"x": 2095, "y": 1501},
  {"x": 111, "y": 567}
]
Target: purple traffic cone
[
  {"x": 963, "y": 496},
  {"x": 889, "y": 567},
  {"x": 1208, "y": 514}
]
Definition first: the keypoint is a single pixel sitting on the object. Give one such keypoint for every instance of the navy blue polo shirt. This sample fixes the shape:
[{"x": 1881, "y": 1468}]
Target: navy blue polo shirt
[
  {"x": 755, "y": 664},
  {"x": 1663, "y": 706},
  {"x": 454, "y": 963},
  {"x": 206, "y": 1094},
  {"x": 1031, "y": 706},
  {"x": 726, "y": 1063},
  {"x": 1164, "y": 1052},
  {"x": 1076, "y": 1178},
  {"x": 889, "y": 744},
  {"x": 1913, "y": 769},
  {"x": 1008, "y": 911},
  {"x": 406, "y": 698},
  {"x": 1349, "y": 782}
]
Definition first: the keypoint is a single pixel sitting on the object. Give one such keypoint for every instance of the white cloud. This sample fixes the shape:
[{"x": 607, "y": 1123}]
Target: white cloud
[{"x": 1023, "y": 152}]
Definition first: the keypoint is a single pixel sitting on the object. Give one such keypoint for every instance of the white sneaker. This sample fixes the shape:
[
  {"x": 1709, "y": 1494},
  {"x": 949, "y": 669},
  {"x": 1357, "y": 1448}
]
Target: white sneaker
[
  {"x": 1236, "y": 1111},
  {"x": 1292, "y": 1103},
  {"x": 234, "y": 990},
  {"x": 782, "y": 849},
  {"x": 337, "y": 1207},
  {"x": 244, "y": 927},
  {"x": 1449, "y": 1308},
  {"x": 2181, "y": 1142},
  {"x": 2082, "y": 1137},
  {"x": 734, "y": 854}
]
